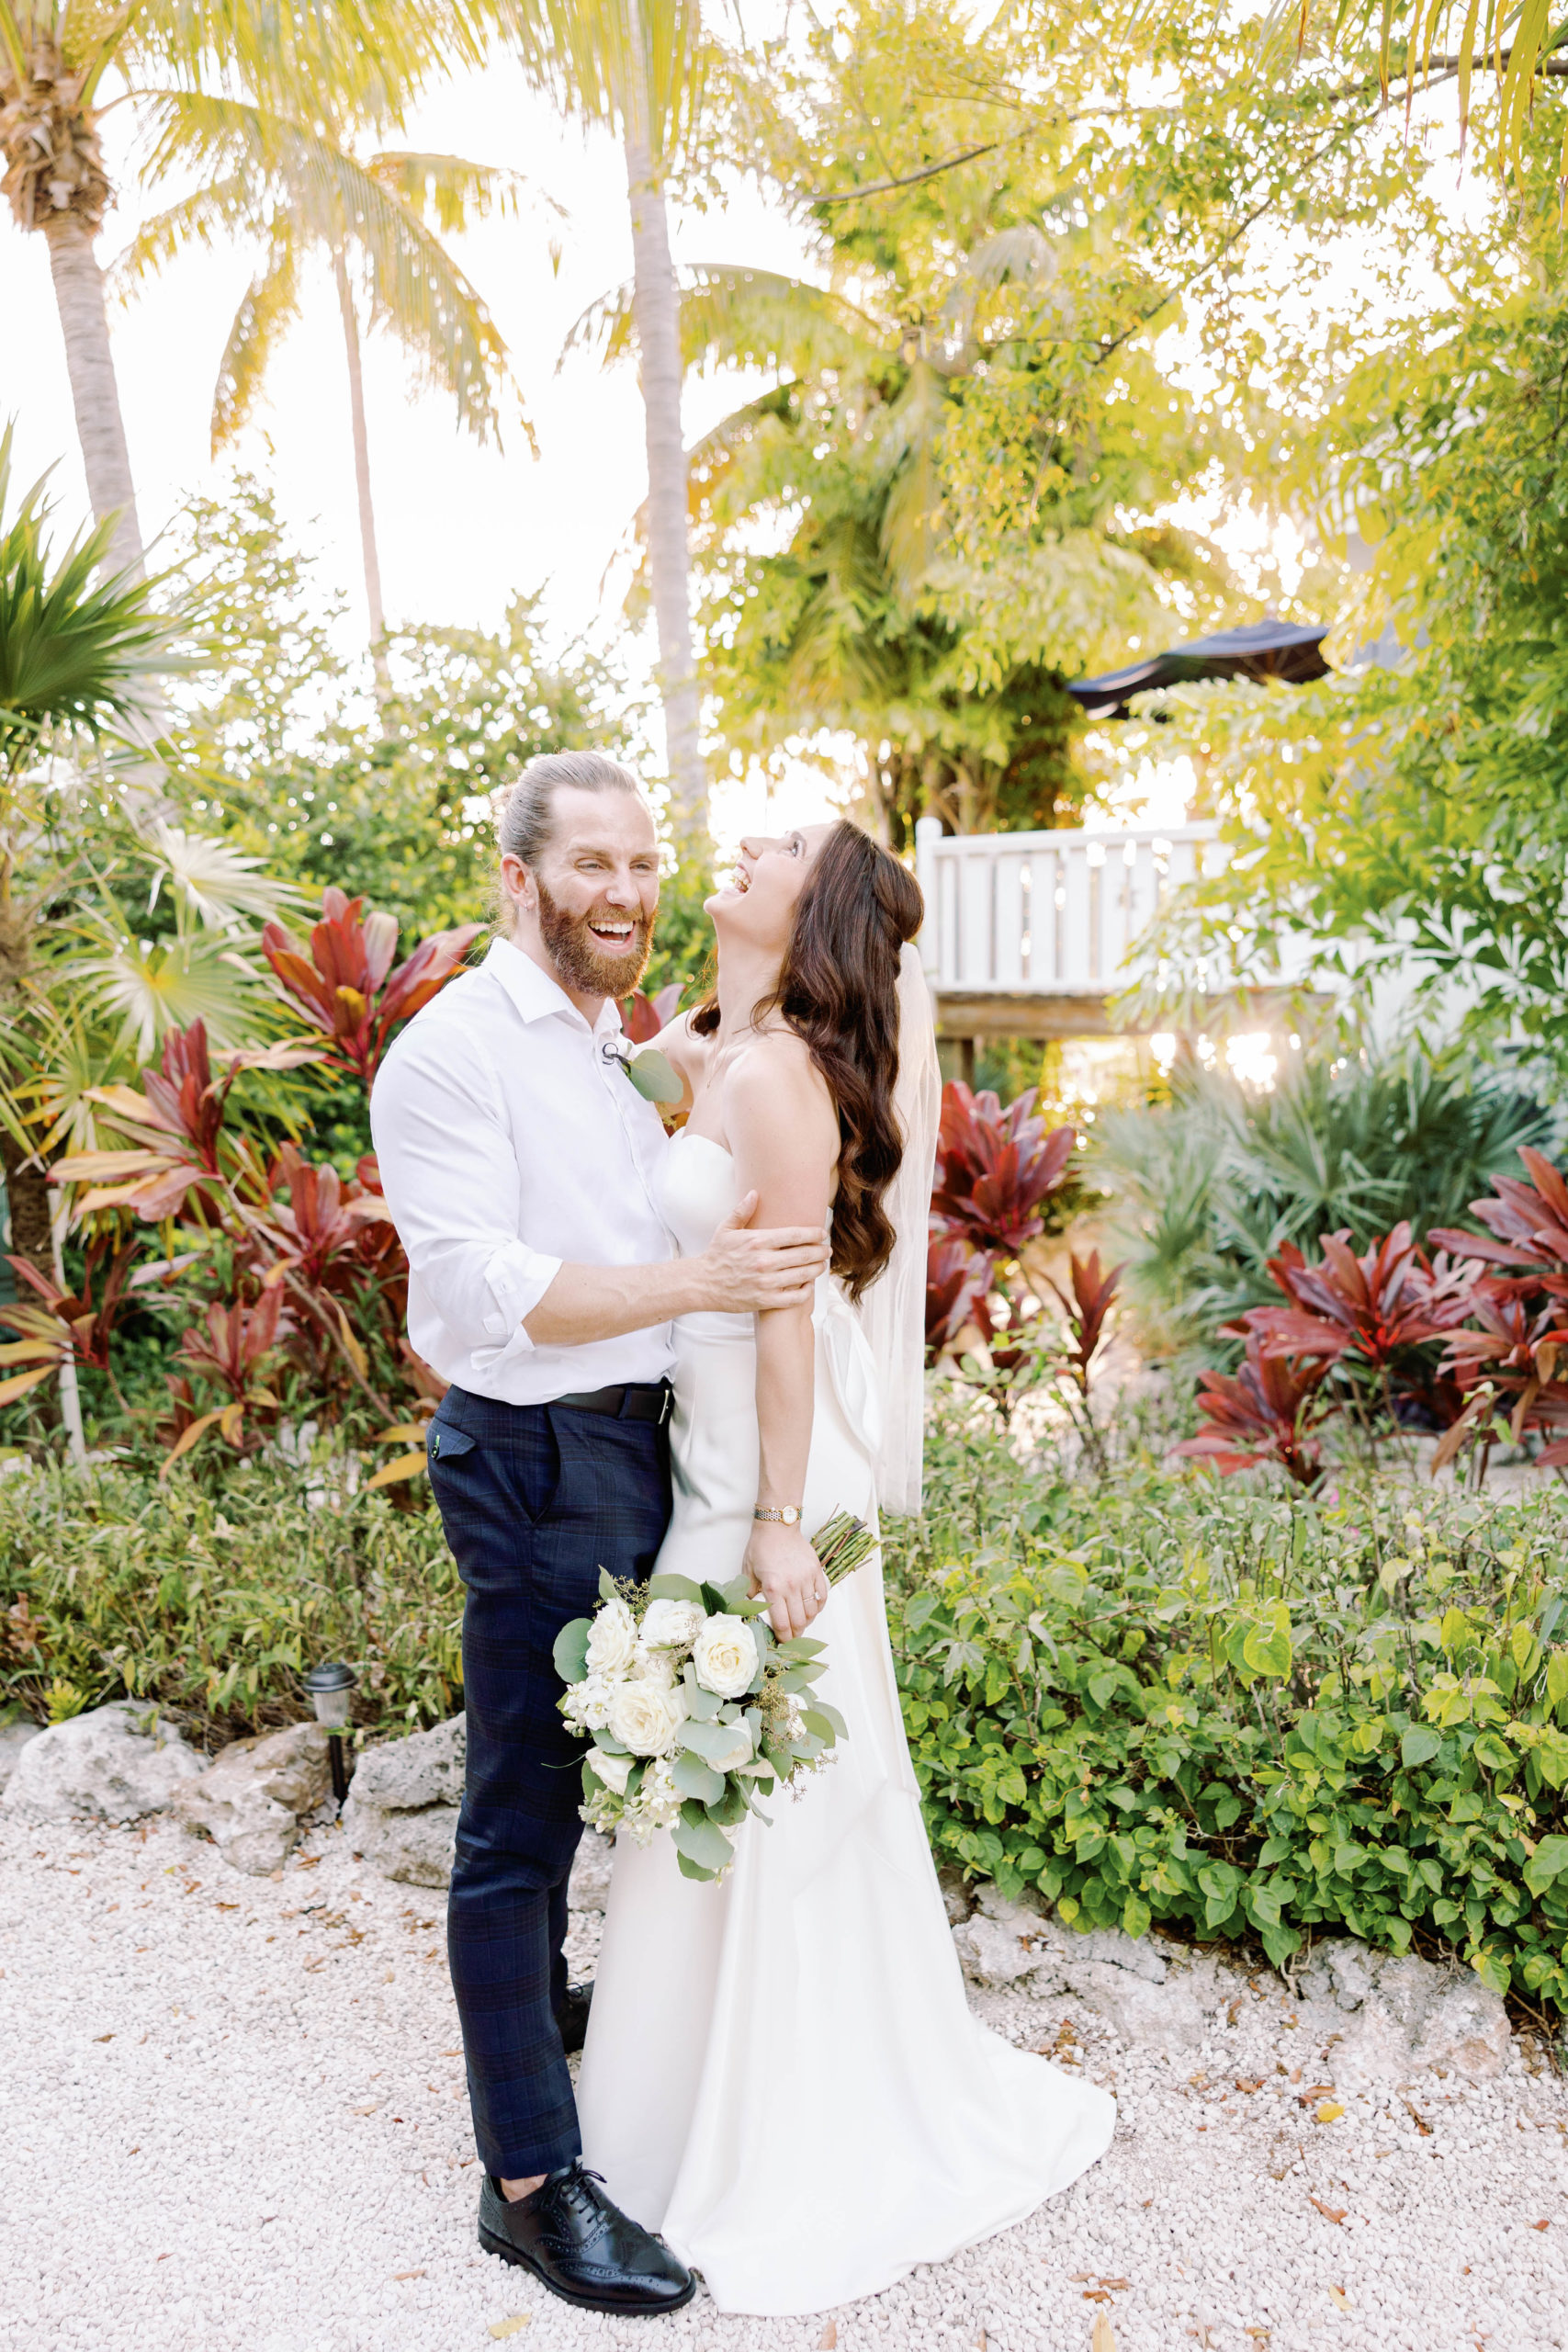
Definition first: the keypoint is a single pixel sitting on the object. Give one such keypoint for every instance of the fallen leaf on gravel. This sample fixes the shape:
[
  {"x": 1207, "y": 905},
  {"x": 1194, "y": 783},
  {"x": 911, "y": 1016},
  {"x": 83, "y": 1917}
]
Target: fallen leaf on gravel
[
  {"x": 103, "y": 2037},
  {"x": 1250, "y": 2083},
  {"x": 1337, "y": 2295},
  {"x": 828, "y": 2338},
  {"x": 1421, "y": 2123},
  {"x": 1102, "y": 2340},
  {"x": 1309, "y": 2091},
  {"x": 511, "y": 2326},
  {"x": 1261, "y": 2335},
  {"x": 1540, "y": 2225},
  {"x": 1330, "y": 2212},
  {"x": 1095, "y": 2295},
  {"x": 408, "y": 2274},
  {"x": 1330, "y": 2111},
  {"x": 1117, "y": 2286}
]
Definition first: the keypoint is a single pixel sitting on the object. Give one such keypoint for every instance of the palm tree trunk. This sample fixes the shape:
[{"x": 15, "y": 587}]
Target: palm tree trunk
[
  {"x": 94, "y": 394},
  {"x": 361, "y": 472},
  {"x": 656, "y": 309}
]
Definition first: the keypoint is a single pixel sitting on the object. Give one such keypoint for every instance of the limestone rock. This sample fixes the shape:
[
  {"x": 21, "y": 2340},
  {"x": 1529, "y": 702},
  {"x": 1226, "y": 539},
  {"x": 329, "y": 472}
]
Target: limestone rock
[
  {"x": 591, "y": 1873},
  {"x": 1393, "y": 2017},
  {"x": 1138, "y": 2010},
  {"x": 401, "y": 1811},
  {"x": 993, "y": 1955},
  {"x": 115, "y": 1763},
  {"x": 250, "y": 1801},
  {"x": 14, "y": 1738},
  {"x": 1465, "y": 2031}
]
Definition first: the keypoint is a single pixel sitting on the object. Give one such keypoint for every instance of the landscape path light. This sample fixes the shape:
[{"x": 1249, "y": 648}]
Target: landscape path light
[{"x": 331, "y": 1687}]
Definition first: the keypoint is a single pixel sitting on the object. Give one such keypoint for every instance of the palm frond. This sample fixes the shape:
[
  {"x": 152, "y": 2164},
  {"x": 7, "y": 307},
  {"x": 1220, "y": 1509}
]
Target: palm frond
[
  {"x": 413, "y": 287},
  {"x": 214, "y": 881},
  {"x": 358, "y": 59},
  {"x": 76, "y": 653},
  {"x": 741, "y": 317},
  {"x": 204, "y": 218},
  {"x": 145, "y": 989},
  {"x": 269, "y": 308},
  {"x": 451, "y": 194},
  {"x": 640, "y": 67}
]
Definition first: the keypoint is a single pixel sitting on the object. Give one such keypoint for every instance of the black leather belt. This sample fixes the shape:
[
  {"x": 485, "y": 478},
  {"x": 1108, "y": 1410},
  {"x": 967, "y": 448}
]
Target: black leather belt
[{"x": 635, "y": 1402}]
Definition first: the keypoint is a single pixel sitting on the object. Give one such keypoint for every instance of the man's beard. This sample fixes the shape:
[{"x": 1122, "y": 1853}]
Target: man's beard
[{"x": 576, "y": 956}]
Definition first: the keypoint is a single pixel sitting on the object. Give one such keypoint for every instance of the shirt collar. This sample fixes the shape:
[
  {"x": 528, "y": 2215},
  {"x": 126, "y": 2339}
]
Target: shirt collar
[{"x": 536, "y": 996}]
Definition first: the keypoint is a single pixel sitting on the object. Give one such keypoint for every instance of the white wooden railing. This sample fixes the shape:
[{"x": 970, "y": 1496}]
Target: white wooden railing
[{"x": 1049, "y": 913}]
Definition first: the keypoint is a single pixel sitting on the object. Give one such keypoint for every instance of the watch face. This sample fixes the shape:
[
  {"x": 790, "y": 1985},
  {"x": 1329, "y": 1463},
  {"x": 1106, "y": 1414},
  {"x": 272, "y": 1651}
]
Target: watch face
[{"x": 791, "y": 1517}]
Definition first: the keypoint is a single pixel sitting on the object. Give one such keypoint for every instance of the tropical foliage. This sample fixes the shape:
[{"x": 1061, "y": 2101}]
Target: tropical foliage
[
  {"x": 1246, "y": 1715},
  {"x": 1209, "y": 1187}
]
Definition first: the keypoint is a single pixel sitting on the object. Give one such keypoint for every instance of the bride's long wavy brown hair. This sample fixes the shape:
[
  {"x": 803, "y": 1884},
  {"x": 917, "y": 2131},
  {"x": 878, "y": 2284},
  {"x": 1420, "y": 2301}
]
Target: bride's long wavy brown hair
[{"x": 837, "y": 988}]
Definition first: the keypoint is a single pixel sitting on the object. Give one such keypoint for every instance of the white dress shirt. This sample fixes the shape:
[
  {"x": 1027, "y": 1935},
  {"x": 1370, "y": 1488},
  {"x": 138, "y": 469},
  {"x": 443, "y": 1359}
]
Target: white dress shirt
[{"x": 510, "y": 1141}]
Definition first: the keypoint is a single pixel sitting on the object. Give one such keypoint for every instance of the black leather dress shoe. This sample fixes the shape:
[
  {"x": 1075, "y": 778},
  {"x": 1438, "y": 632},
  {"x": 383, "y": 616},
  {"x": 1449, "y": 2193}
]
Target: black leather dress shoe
[
  {"x": 572, "y": 2016},
  {"x": 583, "y": 2247}
]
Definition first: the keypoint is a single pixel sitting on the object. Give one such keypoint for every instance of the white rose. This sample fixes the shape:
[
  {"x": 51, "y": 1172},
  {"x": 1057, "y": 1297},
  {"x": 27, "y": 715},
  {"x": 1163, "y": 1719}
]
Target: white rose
[
  {"x": 739, "y": 1751},
  {"x": 672, "y": 1624},
  {"x": 725, "y": 1655},
  {"x": 645, "y": 1718},
  {"x": 614, "y": 1771},
  {"x": 612, "y": 1644}
]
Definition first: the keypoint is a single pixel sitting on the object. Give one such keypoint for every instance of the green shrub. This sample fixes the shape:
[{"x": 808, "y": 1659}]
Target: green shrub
[
  {"x": 215, "y": 1597},
  {"x": 1161, "y": 1699}
]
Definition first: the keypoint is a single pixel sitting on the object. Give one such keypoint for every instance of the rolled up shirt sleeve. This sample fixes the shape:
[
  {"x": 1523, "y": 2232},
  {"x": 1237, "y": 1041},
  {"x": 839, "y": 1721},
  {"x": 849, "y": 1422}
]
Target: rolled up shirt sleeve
[{"x": 449, "y": 1171}]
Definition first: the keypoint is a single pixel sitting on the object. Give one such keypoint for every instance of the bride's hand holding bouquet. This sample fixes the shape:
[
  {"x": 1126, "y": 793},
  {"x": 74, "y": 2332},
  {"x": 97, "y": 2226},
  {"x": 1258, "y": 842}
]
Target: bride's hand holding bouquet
[{"x": 693, "y": 1706}]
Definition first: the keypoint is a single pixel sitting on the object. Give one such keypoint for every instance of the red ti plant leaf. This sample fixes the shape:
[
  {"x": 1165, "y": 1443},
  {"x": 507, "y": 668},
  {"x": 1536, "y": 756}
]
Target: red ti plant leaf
[
  {"x": 1510, "y": 1357},
  {"x": 996, "y": 1169},
  {"x": 322, "y": 1221},
  {"x": 1262, "y": 1413},
  {"x": 69, "y": 1321},
  {"x": 642, "y": 1017},
  {"x": 1086, "y": 1312},
  {"x": 957, "y": 1281},
  {"x": 1371, "y": 1307},
  {"x": 230, "y": 1344},
  {"x": 347, "y": 983}
]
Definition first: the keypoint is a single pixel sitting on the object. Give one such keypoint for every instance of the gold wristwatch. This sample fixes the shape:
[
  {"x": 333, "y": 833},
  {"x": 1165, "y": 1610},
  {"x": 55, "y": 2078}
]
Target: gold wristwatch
[{"x": 788, "y": 1517}]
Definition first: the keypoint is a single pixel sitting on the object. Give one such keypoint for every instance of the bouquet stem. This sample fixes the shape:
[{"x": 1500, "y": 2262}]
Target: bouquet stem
[{"x": 842, "y": 1545}]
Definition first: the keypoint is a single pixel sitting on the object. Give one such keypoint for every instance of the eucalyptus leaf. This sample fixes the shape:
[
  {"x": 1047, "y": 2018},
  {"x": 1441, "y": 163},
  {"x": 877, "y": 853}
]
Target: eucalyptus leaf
[
  {"x": 667, "y": 1586},
  {"x": 695, "y": 1779},
  {"x": 571, "y": 1651}
]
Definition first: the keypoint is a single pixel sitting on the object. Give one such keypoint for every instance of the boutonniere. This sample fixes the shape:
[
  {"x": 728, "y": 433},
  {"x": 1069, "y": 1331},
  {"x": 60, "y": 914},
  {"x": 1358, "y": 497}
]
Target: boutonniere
[{"x": 647, "y": 1070}]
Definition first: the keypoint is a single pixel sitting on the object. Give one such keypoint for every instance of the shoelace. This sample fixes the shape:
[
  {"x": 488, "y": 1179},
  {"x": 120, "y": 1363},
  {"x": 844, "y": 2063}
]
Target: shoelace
[{"x": 572, "y": 2191}]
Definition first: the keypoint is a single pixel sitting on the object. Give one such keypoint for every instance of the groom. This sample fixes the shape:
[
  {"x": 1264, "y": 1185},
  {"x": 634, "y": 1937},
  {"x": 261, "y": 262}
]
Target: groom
[{"x": 522, "y": 1168}]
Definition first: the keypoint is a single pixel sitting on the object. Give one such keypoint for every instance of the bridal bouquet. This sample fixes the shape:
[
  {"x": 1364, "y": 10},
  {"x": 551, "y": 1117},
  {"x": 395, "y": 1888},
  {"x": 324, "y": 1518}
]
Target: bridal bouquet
[{"x": 694, "y": 1707}]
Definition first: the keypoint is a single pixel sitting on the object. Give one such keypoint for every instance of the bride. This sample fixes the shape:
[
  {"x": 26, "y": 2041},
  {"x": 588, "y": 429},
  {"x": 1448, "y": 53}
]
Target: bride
[{"x": 781, "y": 2073}]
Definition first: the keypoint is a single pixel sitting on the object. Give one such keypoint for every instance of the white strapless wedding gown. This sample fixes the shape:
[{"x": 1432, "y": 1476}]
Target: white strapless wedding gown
[{"x": 781, "y": 2073}]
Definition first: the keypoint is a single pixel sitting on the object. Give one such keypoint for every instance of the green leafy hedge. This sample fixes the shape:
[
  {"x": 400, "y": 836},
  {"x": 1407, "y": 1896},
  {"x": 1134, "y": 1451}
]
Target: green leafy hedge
[
  {"x": 215, "y": 1599},
  {"x": 1167, "y": 1700},
  {"x": 1159, "y": 1698}
]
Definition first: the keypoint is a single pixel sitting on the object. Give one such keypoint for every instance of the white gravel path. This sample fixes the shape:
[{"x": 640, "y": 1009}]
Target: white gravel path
[{"x": 231, "y": 2118}]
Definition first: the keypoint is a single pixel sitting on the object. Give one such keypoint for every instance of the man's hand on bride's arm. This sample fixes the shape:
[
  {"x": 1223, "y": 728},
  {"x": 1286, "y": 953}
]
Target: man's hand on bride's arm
[
  {"x": 747, "y": 1269},
  {"x": 784, "y": 1570},
  {"x": 740, "y": 1272}
]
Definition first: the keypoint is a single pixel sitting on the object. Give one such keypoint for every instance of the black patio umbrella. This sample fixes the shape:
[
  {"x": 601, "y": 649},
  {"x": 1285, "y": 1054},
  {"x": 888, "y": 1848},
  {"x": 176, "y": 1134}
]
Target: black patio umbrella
[{"x": 1284, "y": 649}]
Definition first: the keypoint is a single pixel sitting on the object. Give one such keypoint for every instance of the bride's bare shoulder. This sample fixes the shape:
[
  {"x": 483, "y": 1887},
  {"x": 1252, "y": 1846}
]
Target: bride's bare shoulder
[{"x": 774, "y": 1079}]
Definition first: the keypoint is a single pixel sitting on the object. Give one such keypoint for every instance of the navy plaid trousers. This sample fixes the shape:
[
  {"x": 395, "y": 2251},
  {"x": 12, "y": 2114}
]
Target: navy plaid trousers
[{"x": 535, "y": 1501}]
